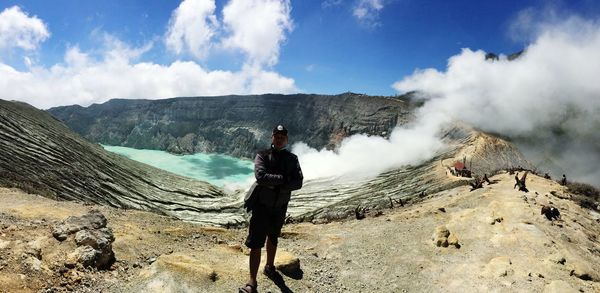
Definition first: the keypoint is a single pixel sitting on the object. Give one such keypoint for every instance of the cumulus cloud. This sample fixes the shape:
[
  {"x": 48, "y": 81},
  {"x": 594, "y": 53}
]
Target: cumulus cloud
[
  {"x": 258, "y": 28},
  {"x": 18, "y": 30},
  {"x": 84, "y": 79},
  {"x": 113, "y": 69},
  {"x": 367, "y": 11},
  {"x": 547, "y": 101},
  {"x": 192, "y": 27}
]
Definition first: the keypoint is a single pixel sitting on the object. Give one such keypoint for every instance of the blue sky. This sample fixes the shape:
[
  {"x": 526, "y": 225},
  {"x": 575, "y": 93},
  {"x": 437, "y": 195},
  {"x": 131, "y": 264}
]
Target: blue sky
[{"x": 241, "y": 47}]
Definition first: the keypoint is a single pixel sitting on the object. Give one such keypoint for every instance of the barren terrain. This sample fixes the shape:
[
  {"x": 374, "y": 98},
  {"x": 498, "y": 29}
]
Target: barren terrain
[{"x": 505, "y": 245}]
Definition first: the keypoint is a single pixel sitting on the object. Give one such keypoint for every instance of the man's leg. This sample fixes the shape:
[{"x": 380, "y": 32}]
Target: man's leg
[
  {"x": 278, "y": 219},
  {"x": 271, "y": 250},
  {"x": 257, "y": 235},
  {"x": 254, "y": 263}
]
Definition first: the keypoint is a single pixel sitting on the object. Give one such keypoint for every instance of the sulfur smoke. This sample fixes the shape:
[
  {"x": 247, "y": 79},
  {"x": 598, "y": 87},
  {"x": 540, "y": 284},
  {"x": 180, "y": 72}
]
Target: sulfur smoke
[
  {"x": 361, "y": 156},
  {"x": 547, "y": 101}
]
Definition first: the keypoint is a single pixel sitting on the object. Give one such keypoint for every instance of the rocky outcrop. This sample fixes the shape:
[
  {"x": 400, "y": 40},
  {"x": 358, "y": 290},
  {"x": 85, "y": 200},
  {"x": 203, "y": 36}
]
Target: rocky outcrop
[
  {"x": 41, "y": 155},
  {"x": 287, "y": 263},
  {"x": 94, "y": 240},
  {"x": 71, "y": 225},
  {"x": 234, "y": 125}
]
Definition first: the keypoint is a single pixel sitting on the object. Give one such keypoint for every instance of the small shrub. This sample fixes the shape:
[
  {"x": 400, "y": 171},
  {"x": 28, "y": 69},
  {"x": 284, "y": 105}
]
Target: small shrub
[
  {"x": 586, "y": 195},
  {"x": 584, "y": 189}
]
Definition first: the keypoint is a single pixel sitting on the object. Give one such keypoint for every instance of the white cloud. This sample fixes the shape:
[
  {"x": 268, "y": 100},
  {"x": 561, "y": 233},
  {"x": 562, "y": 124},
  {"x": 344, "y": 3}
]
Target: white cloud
[
  {"x": 367, "y": 11},
  {"x": 258, "y": 28},
  {"x": 84, "y": 79},
  {"x": 331, "y": 3},
  {"x": 192, "y": 27},
  {"x": 18, "y": 30},
  {"x": 548, "y": 99},
  {"x": 112, "y": 69}
]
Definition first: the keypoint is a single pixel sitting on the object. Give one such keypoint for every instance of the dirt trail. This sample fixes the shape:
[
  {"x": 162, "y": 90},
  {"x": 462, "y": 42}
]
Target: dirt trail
[{"x": 505, "y": 245}]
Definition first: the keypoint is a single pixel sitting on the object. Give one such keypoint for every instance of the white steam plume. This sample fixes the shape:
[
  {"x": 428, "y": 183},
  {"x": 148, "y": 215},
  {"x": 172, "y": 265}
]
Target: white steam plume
[
  {"x": 361, "y": 156},
  {"x": 547, "y": 100}
]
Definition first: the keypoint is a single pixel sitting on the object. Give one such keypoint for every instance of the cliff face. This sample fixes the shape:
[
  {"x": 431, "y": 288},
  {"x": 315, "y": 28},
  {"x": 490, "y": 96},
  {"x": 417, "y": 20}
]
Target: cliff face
[
  {"x": 234, "y": 125},
  {"x": 41, "y": 155}
]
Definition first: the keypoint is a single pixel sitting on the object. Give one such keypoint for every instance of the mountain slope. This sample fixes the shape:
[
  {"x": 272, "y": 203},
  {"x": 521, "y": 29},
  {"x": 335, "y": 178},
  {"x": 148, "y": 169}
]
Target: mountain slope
[
  {"x": 40, "y": 154},
  {"x": 323, "y": 200}
]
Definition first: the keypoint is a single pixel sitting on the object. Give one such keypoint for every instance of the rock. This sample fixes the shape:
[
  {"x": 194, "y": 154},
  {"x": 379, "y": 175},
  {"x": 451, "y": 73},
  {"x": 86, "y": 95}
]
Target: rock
[
  {"x": 4, "y": 244},
  {"x": 60, "y": 235},
  {"x": 441, "y": 231},
  {"x": 85, "y": 255},
  {"x": 71, "y": 260},
  {"x": 583, "y": 271},
  {"x": 33, "y": 264},
  {"x": 34, "y": 251},
  {"x": 92, "y": 220},
  {"x": 453, "y": 241},
  {"x": 105, "y": 258},
  {"x": 440, "y": 236},
  {"x": 287, "y": 263},
  {"x": 93, "y": 238},
  {"x": 497, "y": 220},
  {"x": 98, "y": 239},
  {"x": 498, "y": 267},
  {"x": 559, "y": 286},
  {"x": 177, "y": 272},
  {"x": 443, "y": 242}
]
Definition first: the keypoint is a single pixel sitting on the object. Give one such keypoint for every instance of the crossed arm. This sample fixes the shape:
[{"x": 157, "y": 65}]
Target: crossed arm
[{"x": 290, "y": 182}]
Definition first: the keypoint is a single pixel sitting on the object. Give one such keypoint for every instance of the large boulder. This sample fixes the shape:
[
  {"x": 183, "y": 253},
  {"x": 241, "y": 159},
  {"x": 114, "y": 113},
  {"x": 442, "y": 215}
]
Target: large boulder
[
  {"x": 94, "y": 240},
  {"x": 287, "y": 263},
  {"x": 93, "y": 220}
]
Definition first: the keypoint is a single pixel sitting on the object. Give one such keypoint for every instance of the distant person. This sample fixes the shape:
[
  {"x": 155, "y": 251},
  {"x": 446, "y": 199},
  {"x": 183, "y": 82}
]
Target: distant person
[
  {"x": 486, "y": 179},
  {"x": 277, "y": 173},
  {"x": 551, "y": 212},
  {"x": 563, "y": 181},
  {"x": 476, "y": 184},
  {"x": 521, "y": 182}
]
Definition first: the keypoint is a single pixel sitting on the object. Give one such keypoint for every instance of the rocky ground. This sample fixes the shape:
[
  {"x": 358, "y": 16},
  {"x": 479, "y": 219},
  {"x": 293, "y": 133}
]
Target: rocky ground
[{"x": 497, "y": 242}]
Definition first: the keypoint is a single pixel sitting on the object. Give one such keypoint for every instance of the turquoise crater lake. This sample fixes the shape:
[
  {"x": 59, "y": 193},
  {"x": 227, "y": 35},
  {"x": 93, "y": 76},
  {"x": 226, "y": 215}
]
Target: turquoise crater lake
[{"x": 219, "y": 170}]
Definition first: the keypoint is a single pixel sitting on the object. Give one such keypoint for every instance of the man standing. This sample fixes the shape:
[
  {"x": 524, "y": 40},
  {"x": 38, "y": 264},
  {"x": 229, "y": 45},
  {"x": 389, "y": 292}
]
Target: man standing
[{"x": 277, "y": 173}]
